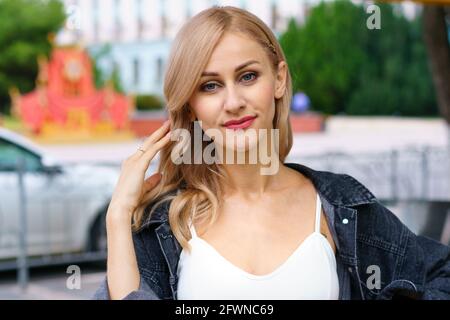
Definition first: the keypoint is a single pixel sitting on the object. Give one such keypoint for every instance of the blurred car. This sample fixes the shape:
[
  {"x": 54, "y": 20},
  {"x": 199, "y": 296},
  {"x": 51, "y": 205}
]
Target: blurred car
[{"x": 65, "y": 203}]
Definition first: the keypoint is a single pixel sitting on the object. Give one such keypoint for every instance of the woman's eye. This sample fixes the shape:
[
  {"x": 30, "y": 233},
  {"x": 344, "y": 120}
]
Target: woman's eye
[
  {"x": 207, "y": 86},
  {"x": 248, "y": 76}
]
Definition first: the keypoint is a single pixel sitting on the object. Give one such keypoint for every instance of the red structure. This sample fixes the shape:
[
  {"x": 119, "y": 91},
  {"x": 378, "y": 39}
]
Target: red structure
[{"x": 65, "y": 96}]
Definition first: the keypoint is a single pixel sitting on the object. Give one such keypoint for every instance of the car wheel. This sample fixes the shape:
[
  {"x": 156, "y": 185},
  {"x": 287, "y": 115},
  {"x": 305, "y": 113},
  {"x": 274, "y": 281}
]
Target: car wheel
[{"x": 98, "y": 240}]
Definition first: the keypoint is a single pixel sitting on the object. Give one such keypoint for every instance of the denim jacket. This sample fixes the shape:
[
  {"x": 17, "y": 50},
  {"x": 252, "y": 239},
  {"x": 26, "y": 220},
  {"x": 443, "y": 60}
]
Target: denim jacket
[{"x": 377, "y": 256}]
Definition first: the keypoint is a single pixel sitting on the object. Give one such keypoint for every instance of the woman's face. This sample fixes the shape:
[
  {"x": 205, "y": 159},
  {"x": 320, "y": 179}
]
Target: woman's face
[{"x": 238, "y": 82}]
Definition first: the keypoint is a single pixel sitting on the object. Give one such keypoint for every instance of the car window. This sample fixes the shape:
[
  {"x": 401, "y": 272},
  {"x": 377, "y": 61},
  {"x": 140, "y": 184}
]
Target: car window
[{"x": 10, "y": 155}]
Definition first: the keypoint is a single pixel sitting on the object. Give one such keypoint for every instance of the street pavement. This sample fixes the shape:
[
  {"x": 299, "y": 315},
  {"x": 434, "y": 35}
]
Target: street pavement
[{"x": 50, "y": 283}]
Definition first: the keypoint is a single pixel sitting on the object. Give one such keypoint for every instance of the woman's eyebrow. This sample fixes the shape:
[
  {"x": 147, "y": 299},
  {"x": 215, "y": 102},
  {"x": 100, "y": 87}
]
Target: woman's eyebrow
[{"x": 242, "y": 66}]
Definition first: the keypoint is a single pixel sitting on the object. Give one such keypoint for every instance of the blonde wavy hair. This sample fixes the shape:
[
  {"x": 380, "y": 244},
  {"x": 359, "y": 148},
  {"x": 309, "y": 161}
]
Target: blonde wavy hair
[{"x": 196, "y": 186}]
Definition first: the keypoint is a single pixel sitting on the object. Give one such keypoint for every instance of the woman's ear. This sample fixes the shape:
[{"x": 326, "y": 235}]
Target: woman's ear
[{"x": 280, "y": 81}]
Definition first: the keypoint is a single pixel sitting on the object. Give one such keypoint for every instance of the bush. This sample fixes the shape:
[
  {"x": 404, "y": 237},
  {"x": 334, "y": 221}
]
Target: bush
[{"x": 149, "y": 102}]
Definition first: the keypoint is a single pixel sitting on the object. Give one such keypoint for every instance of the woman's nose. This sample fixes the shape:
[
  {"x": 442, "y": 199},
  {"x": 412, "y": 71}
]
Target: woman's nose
[{"x": 233, "y": 100}]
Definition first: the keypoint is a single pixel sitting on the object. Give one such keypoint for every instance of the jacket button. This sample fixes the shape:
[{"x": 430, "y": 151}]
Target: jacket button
[
  {"x": 172, "y": 280},
  {"x": 345, "y": 221},
  {"x": 350, "y": 269}
]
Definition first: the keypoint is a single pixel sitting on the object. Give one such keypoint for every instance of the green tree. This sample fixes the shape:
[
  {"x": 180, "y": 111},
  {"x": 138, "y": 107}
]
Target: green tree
[
  {"x": 345, "y": 67},
  {"x": 326, "y": 53},
  {"x": 25, "y": 26},
  {"x": 395, "y": 79}
]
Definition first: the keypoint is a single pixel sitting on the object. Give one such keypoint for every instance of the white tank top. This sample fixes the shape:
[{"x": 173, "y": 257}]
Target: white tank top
[{"x": 309, "y": 273}]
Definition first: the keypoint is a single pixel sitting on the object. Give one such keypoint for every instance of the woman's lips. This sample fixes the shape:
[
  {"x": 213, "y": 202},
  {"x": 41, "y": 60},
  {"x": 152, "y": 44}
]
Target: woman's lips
[{"x": 243, "y": 125}]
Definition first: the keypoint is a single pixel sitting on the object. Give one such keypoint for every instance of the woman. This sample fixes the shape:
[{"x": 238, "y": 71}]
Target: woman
[{"x": 225, "y": 230}]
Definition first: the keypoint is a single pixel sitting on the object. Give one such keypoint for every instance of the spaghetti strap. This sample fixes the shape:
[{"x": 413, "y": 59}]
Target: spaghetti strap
[
  {"x": 318, "y": 214},
  {"x": 192, "y": 228}
]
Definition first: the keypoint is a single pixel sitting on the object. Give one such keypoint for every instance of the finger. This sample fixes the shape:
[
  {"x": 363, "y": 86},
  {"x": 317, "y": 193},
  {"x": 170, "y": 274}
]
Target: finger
[
  {"x": 141, "y": 163},
  {"x": 154, "y": 148},
  {"x": 157, "y": 135},
  {"x": 152, "y": 181},
  {"x": 148, "y": 141},
  {"x": 146, "y": 197}
]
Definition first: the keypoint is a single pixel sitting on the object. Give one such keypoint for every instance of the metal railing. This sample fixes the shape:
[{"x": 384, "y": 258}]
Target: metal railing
[{"x": 406, "y": 174}]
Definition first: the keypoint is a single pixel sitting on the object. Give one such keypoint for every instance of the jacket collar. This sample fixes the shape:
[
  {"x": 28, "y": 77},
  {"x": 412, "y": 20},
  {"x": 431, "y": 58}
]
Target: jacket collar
[{"x": 338, "y": 189}]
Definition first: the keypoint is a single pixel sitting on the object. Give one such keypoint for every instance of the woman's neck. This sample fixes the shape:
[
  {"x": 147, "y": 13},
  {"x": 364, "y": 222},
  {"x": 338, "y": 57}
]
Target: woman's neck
[{"x": 247, "y": 180}]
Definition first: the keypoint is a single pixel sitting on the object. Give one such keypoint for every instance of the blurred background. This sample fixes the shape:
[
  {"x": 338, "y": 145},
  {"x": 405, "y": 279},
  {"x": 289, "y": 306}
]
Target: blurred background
[{"x": 81, "y": 86}]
